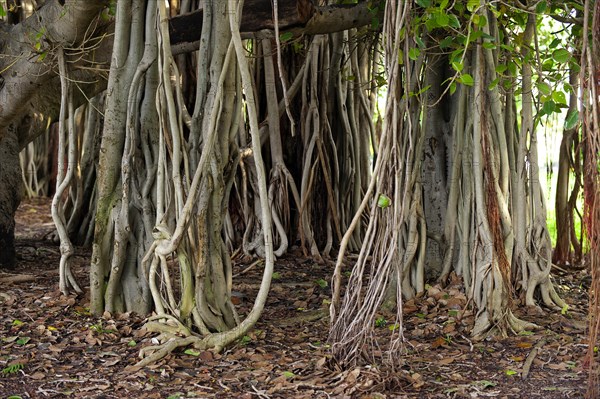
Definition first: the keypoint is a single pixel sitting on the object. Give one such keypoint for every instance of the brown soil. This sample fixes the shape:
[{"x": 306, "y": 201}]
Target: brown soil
[{"x": 51, "y": 347}]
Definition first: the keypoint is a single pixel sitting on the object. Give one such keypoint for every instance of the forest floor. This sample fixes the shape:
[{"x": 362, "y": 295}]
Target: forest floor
[{"x": 51, "y": 347}]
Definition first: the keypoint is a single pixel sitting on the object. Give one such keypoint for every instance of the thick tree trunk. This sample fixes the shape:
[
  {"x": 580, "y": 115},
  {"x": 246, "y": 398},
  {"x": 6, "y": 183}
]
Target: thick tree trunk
[
  {"x": 28, "y": 84},
  {"x": 436, "y": 168},
  {"x": 10, "y": 177},
  {"x": 568, "y": 248}
]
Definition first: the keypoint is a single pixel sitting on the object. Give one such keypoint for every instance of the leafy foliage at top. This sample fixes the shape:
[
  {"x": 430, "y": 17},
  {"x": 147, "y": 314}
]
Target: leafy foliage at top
[{"x": 452, "y": 28}]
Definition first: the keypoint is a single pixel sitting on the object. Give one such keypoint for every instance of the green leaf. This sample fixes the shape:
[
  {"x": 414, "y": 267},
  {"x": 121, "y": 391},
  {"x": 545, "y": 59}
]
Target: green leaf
[
  {"x": 276, "y": 275},
  {"x": 554, "y": 43},
  {"x": 446, "y": 42},
  {"x": 466, "y": 79},
  {"x": 444, "y": 4},
  {"x": 297, "y": 47},
  {"x": 442, "y": 19},
  {"x": 541, "y": 7},
  {"x": 131, "y": 343},
  {"x": 564, "y": 309},
  {"x": 414, "y": 53},
  {"x": 419, "y": 42},
  {"x": 2, "y": 11},
  {"x": 493, "y": 84},
  {"x": 544, "y": 88},
  {"x": 383, "y": 201},
  {"x": 571, "y": 120},
  {"x": 472, "y": 4},
  {"x": 322, "y": 283},
  {"x": 475, "y": 35},
  {"x": 549, "y": 107},
  {"x": 454, "y": 22},
  {"x": 191, "y": 352},
  {"x": 380, "y": 80},
  {"x": 456, "y": 55},
  {"x": 481, "y": 21},
  {"x": 13, "y": 368},
  {"x": 431, "y": 23},
  {"x": 288, "y": 374},
  {"x": 548, "y": 65},
  {"x": 380, "y": 322},
  {"x": 452, "y": 88},
  {"x": 246, "y": 340},
  {"x": 23, "y": 340},
  {"x": 17, "y": 323},
  {"x": 284, "y": 37},
  {"x": 574, "y": 66},
  {"x": 457, "y": 66},
  {"x": 489, "y": 45},
  {"x": 501, "y": 68},
  {"x": 510, "y": 372},
  {"x": 561, "y": 55},
  {"x": 424, "y": 3},
  {"x": 14, "y": 396},
  {"x": 559, "y": 97}
]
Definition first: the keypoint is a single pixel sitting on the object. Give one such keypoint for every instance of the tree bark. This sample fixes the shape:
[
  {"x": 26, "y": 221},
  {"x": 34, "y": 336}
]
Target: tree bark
[
  {"x": 298, "y": 16},
  {"x": 10, "y": 177},
  {"x": 24, "y": 67}
]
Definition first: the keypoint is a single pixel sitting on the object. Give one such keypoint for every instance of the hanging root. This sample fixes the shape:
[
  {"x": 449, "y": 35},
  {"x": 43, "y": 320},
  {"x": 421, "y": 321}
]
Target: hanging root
[{"x": 484, "y": 327}]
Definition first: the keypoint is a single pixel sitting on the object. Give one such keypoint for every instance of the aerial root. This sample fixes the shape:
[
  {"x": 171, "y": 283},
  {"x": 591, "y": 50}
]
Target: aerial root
[
  {"x": 556, "y": 299},
  {"x": 517, "y": 325},
  {"x": 175, "y": 335},
  {"x": 484, "y": 327},
  {"x": 152, "y": 354}
]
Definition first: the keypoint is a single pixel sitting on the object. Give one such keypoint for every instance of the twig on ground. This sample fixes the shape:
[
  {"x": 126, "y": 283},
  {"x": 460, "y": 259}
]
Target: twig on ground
[
  {"x": 246, "y": 270},
  {"x": 531, "y": 357}
]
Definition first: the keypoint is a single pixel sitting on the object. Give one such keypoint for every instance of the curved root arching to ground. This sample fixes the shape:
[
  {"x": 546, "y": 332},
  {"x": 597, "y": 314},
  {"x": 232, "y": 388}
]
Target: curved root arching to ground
[{"x": 209, "y": 313}]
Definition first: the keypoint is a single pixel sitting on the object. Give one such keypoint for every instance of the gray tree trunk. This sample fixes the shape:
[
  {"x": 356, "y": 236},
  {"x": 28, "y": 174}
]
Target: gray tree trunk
[{"x": 24, "y": 87}]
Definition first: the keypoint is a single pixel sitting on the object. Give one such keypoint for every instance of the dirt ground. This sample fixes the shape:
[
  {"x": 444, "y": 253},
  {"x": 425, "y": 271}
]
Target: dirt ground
[{"x": 51, "y": 347}]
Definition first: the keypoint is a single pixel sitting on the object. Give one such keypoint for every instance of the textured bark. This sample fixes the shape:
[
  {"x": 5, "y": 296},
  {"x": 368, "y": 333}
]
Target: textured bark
[
  {"x": 28, "y": 87},
  {"x": 10, "y": 177},
  {"x": 435, "y": 168},
  {"x": 23, "y": 73},
  {"x": 568, "y": 248},
  {"x": 300, "y": 17},
  {"x": 258, "y": 15}
]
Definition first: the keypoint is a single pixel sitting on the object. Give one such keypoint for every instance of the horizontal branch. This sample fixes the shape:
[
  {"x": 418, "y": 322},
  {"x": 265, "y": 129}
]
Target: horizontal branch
[
  {"x": 300, "y": 17},
  {"x": 257, "y": 15},
  {"x": 23, "y": 67}
]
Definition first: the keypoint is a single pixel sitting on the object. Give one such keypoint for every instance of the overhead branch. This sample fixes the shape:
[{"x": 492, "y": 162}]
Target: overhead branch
[
  {"x": 24, "y": 68},
  {"x": 297, "y": 16}
]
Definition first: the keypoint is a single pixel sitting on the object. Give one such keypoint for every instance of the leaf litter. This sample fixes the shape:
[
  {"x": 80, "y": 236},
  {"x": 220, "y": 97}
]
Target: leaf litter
[{"x": 51, "y": 346}]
